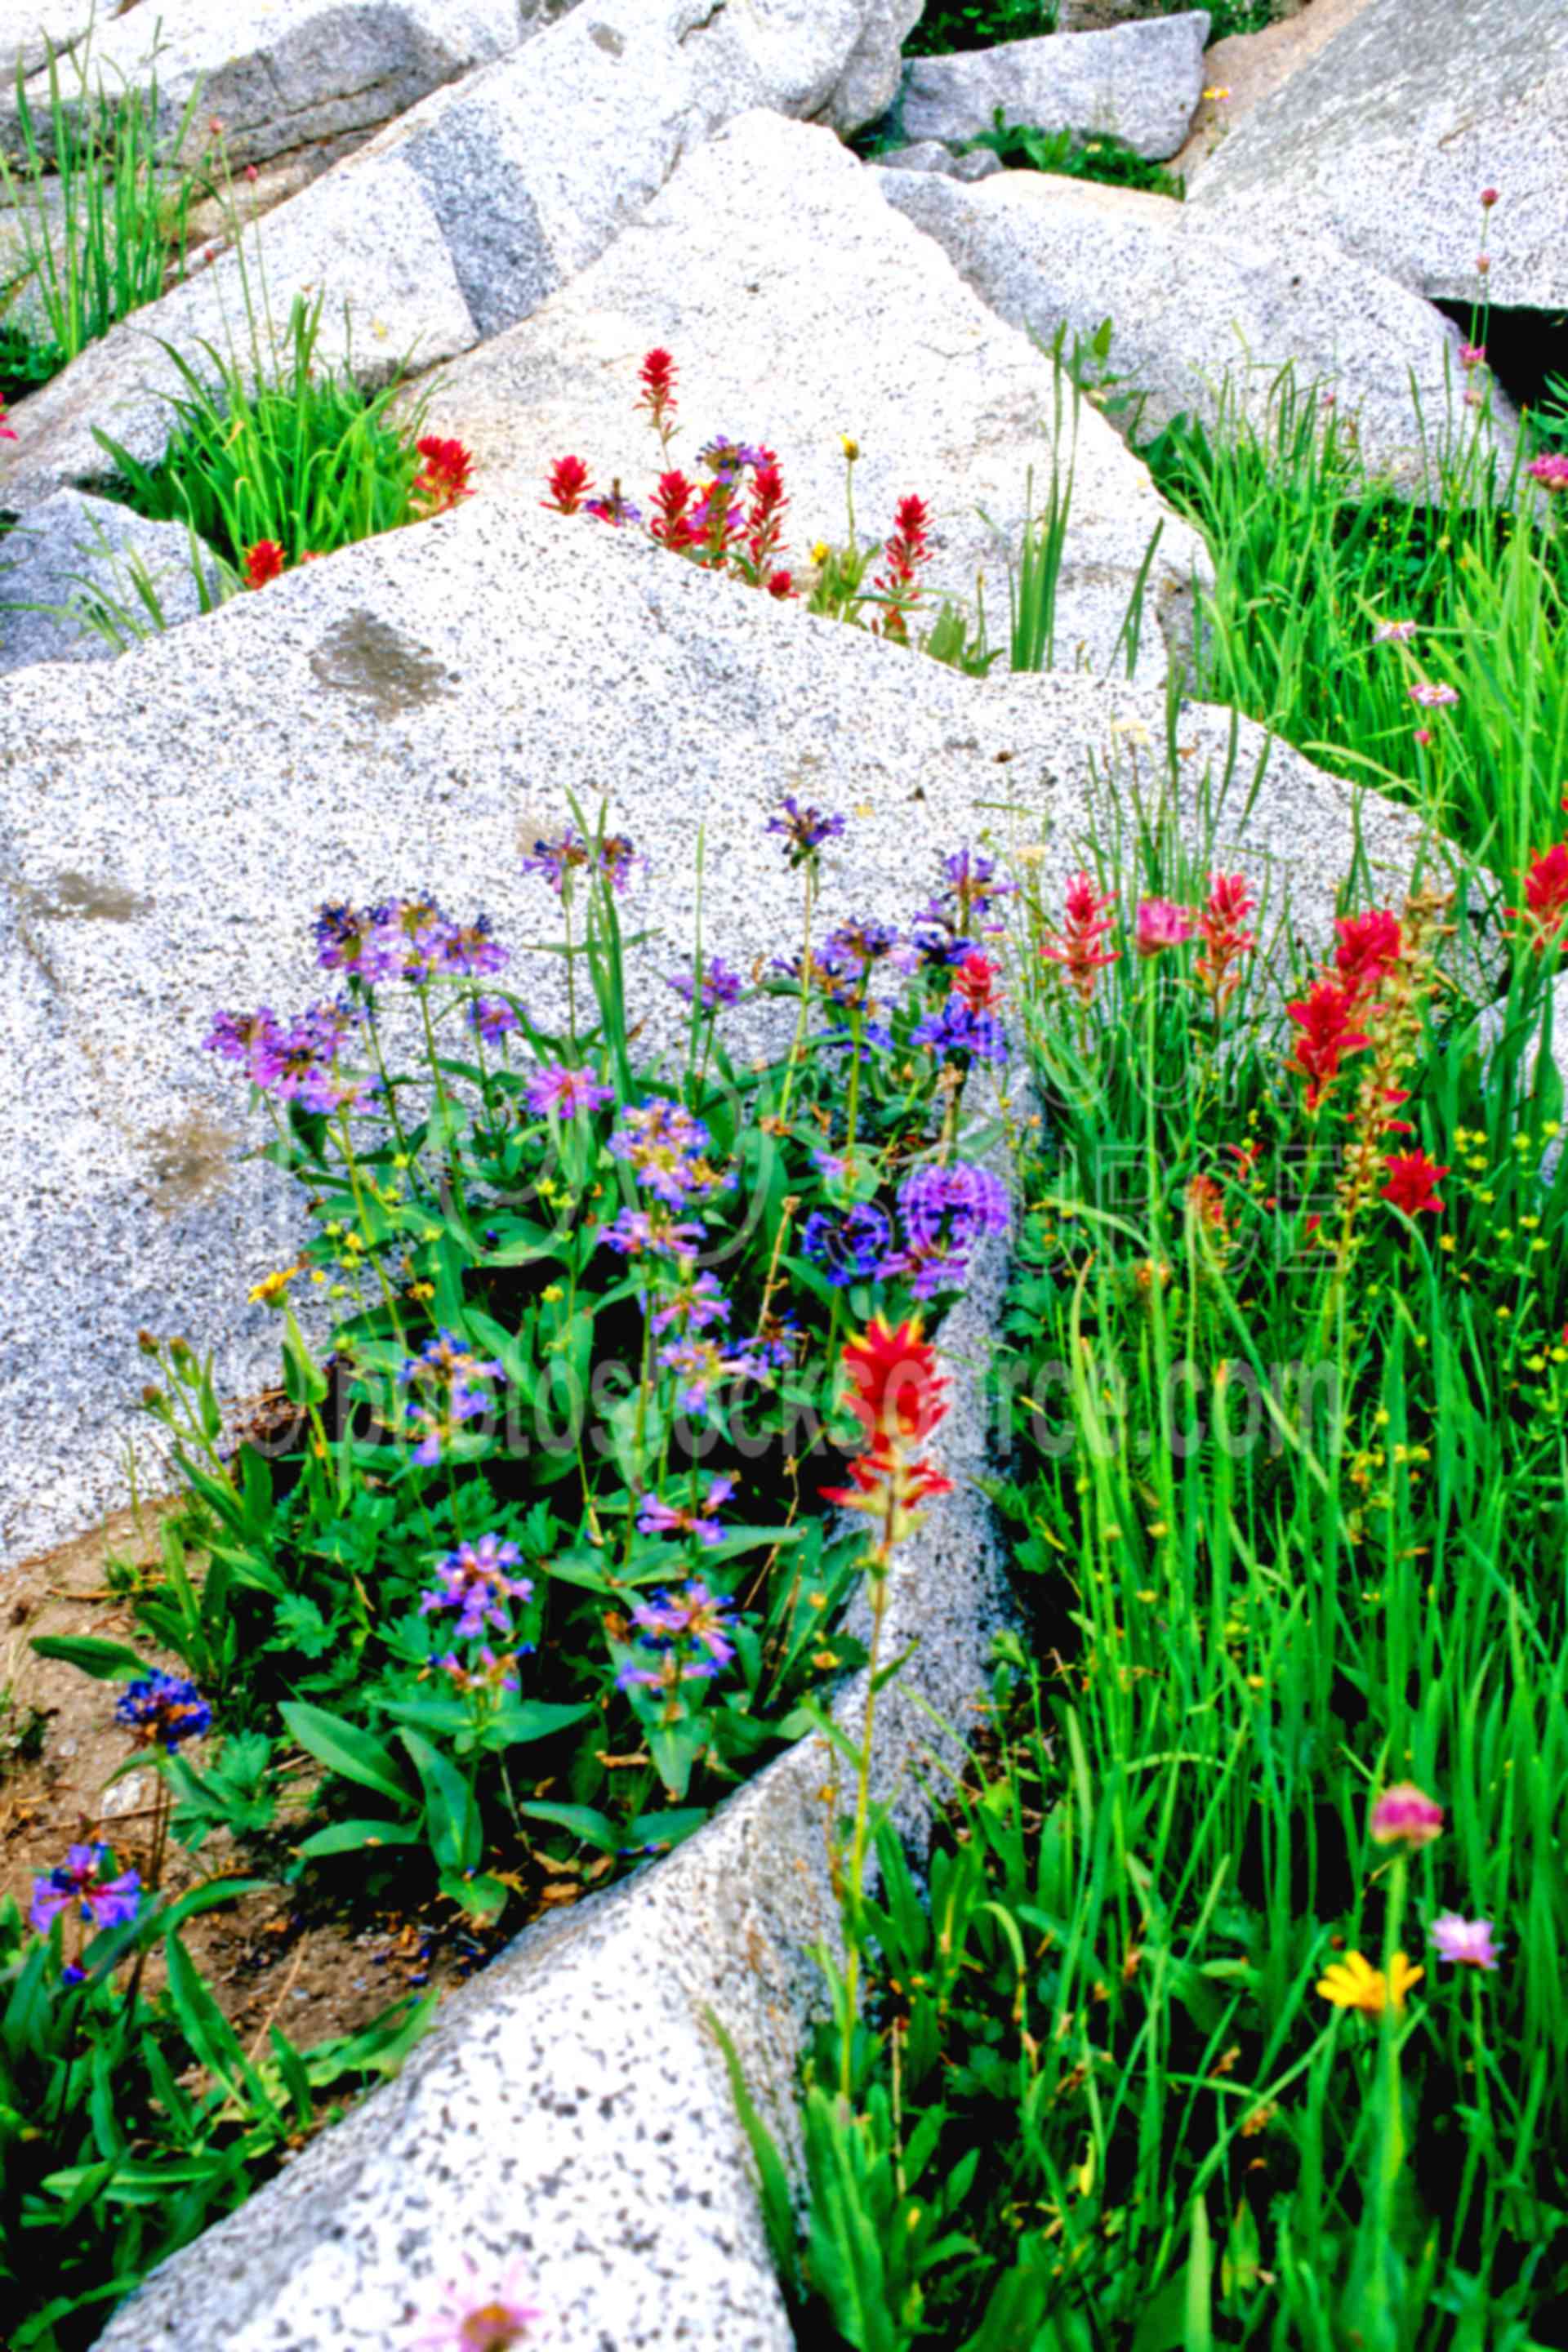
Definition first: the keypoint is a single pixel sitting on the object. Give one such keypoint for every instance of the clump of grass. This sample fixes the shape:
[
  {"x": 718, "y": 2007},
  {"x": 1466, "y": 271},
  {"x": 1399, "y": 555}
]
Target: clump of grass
[
  {"x": 287, "y": 452},
  {"x": 1077, "y": 155},
  {"x": 1316, "y": 561},
  {"x": 102, "y": 212},
  {"x": 1170, "y": 2039}
]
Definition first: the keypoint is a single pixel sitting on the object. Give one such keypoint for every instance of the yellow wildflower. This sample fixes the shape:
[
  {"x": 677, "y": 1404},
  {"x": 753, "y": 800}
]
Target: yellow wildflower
[
  {"x": 1354, "y": 1983},
  {"x": 271, "y": 1287}
]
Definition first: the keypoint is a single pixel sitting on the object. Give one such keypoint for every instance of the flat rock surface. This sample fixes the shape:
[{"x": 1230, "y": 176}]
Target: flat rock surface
[
  {"x": 800, "y": 306},
  {"x": 408, "y": 712},
  {"x": 1140, "y": 81},
  {"x": 1384, "y": 139},
  {"x": 1245, "y": 69},
  {"x": 74, "y": 550},
  {"x": 1198, "y": 300}
]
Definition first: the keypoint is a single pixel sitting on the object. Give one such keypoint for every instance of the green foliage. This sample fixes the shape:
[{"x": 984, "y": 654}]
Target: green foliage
[
  {"x": 280, "y": 448},
  {"x": 130, "y": 2121},
  {"x": 1077, "y": 155},
  {"x": 948, "y": 24},
  {"x": 102, "y": 215},
  {"x": 1287, "y": 1507},
  {"x": 1312, "y": 555}
]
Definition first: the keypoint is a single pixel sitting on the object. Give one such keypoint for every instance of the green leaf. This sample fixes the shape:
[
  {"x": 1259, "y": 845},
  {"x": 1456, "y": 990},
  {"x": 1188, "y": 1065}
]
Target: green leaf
[
  {"x": 533, "y": 1718},
  {"x": 451, "y": 1809},
  {"x": 346, "y": 1749},
  {"x": 304, "y": 1382},
  {"x": 593, "y": 1828},
  {"x": 357, "y": 1837},
  {"x": 107, "y": 1662}
]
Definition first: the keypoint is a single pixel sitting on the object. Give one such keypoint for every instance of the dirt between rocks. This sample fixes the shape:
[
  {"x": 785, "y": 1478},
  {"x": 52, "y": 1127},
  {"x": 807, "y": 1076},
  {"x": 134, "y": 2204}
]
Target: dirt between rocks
[{"x": 271, "y": 1957}]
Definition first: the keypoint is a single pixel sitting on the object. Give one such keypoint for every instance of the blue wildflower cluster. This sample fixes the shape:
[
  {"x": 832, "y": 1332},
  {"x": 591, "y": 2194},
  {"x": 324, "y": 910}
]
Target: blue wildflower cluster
[
  {"x": 163, "y": 1711},
  {"x": 451, "y": 1385}
]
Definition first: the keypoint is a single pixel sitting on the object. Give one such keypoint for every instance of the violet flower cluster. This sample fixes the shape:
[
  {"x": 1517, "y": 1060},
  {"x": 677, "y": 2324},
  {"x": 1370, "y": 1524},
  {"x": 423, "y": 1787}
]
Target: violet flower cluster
[
  {"x": 80, "y": 1884},
  {"x": 474, "y": 1581},
  {"x": 163, "y": 1711},
  {"x": 451, "y": 1388},
  {"x": 685, "y": 1638}
]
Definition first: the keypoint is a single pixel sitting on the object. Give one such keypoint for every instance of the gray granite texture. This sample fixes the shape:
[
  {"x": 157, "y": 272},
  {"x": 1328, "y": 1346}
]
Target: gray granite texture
[
  {"x": 930, "y": 156},
  {"x": 73, "y": 552},
  {"x": 569, "y": 2121},
  {"x": 282, "y": 74},
  {"x": 800, "y": 306},
  {"x": 1199, "y": 301},
  {"x": 30, "y": 28},
  {"x": 1383, "y": 140},
  {"x": 467, "y": 212},
  {"x": 1142, "y": 82},
  {"x": 412, "y": 711}
]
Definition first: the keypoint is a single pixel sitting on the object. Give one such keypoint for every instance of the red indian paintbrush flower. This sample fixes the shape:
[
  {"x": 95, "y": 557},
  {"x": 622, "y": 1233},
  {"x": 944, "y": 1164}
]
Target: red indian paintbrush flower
[
  {"x": 1413, "y": 1180},
  {"x": 896, "y": 1391},
  {"x": 569, "y": 483},
  {"x": 974, "y": 981},
  {"x": 670, "y": 500},
  {"x": 1545, "y": 908},
  {"x": 1324, "y": 1018},
  {"x": 1220, "y": 921},
  {"x": 1076, "y": 947},
  {"x": 1162, "y": 924},
  {"x": 905, "y": 551},
  {"x": 656, "y": 376},
  {"x": 8, "y": 431},
  {"x": 898, "y": 1397},
  {"x": 444, "y": 477},
  {"x": 765, "y": 515},
  {"x": 1367, "y": 949},
  {"x": 263, "y": 563}
]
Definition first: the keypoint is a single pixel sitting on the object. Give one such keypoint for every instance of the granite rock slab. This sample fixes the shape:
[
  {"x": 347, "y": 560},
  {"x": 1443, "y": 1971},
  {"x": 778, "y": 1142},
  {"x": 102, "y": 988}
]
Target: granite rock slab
[
  {"x": 1141, "y": 83},
  {"x": 1383, "y": 140},
  {"x": 74, "y": 553},
  {"x": 1199, "y": 301}
]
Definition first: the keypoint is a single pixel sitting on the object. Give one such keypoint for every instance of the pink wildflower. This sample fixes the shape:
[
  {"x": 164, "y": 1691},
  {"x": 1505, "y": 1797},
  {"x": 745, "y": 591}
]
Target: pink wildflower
[
  {"x": 1406, "y": 1815},
  {"x": 1469, "y": 1943},
  {"x": 1162, "y": 924}
]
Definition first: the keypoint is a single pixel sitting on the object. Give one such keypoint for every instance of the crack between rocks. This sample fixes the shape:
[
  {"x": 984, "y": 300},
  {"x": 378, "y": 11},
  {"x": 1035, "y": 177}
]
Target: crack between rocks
[{"x": 702, "y": 23}]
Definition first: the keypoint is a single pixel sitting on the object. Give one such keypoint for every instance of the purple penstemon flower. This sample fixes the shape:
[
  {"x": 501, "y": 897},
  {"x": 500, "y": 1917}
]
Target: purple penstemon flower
[
  {"x": 485, "y": 1672},
  {"x": 557, "y": 1091},
  {"x": 163, "y": 1711},
  {"x": 468, "y": 951},
  {"x": 958, "y": 1028},
  {"x": 689, "y": 1635},
  {"x": 698, "y": 1302},
  {"x": 294, "y": 1061},
  {"x": 944, "y": 1212},
  {"x": 475, "y": 1581},
  {"x": 969, "y": 891},
  {"x": 79, "y": 1881},
  {"x": 559, "y": 862},
  {"x": 657, "y": 1517},
  {"x": 720, "y": 986},
  {"x": 650, "y": 1233},
  {"x": 804, "y": 829},
  {"x": 700, "y": 1365},
  {"x": 664, "y": 1147},
  {"x": 492, "y": 1017},
  {"x": 613, "y": 507},
  {"x": 449, "y": 1379},
  {"x": 849, "y": 1244}
]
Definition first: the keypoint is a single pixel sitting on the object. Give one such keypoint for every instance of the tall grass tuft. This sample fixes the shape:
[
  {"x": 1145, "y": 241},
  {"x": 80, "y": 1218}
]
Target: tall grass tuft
[
  {"x": 103, "y": 211},
  {"x": 1313, "y": 556}
]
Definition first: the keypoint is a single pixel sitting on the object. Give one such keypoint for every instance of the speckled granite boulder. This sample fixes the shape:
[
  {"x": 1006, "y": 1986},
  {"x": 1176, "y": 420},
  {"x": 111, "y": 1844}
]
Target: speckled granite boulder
[
  {"x": 930, "y": 156},
  {"x": 1197, "y": 299},
  {"x": 281, "y": 74},
  {"x": 799, "y": 306},
  {"x": 1384, "y": 139},
  {"x": 30, "y": 28},
  {"x": 73, "y": 552},
  {"x": 1140, "y": 81}
]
